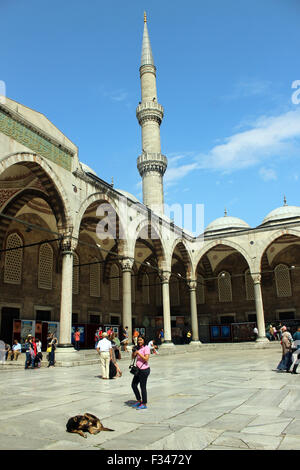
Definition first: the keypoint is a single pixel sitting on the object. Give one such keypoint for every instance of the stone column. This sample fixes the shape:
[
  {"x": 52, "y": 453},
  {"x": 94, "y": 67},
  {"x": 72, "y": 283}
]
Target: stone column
[
  {"x": 66, "y": 298},
  {"x": 259, "y": 309},
  {"x": 165, "y": 277},
  {"x": 126, "y": 265},
  {"x": 194, "y": 316}
]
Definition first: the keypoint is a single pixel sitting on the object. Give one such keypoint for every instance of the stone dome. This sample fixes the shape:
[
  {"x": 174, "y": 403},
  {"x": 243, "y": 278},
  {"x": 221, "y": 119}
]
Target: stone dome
[
  {"x": 225, "y": 224},
  {"x": 128, "y": 195},
  {"x": 282, "y": 213},
  {"x": 87, "y": 169}
]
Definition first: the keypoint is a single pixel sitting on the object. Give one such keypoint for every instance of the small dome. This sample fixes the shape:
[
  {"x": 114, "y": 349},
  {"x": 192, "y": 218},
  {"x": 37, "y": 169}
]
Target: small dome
[
  {"x": 128, "y": 195},
  {"x": 87, "y": 169},
  {"x": 284, "y": 212},
  {"x": 226, "y": 223}
]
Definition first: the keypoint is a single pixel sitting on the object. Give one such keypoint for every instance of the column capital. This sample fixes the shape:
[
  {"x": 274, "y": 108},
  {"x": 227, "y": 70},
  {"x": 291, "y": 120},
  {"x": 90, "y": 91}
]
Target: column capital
[
  {"x": 256, "y": 278},
  {"x": 165, "y": 276},
  {"x": 67, "y": 243},
  {"x": 126, "y": 264},
  {"x": 192, "y": 284}
]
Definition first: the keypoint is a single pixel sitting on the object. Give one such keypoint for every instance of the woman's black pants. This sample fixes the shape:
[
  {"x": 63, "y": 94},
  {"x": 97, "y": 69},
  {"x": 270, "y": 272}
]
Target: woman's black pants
[{"x": 141, "y": 379}]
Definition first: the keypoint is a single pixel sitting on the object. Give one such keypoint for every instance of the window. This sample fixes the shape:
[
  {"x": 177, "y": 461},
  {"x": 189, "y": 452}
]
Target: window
[
  {"x": 45, "y": 270},
  {"x": 249, "y": 285},
  {"x": 282, "y": 280},
  {"x": 95, "y": 278},
  {"x": 114, "y": 283},
  {"x": 95, "y": 319},
  {"x": 13, "y": 260},
  {"x": 43, "y": 315},
  {"x": 200, "y": 289},
  {"x": 75, "y": 284},
  {"x": 224, "y": 286}
]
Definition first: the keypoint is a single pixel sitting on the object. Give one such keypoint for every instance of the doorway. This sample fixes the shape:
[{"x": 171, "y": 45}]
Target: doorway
[{"x": 8, "y": 315}]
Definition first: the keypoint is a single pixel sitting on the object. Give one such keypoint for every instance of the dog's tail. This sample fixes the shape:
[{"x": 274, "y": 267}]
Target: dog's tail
[{"x": 106, "y": 429}]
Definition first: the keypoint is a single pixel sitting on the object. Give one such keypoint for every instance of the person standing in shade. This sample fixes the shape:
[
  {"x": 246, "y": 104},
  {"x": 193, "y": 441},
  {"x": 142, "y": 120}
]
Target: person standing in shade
[
  {"x": 296, "y": 353},
  {"x": 142, "y": 355},
  {"x": 104, "y": 348},
  {"x": 161, "y": 335},
  {"x": 77, "y": 339},
  {"x": 51, "y": 347},
  {"x": 286, "y": 344},
  {"x": 124, "y": 341}
]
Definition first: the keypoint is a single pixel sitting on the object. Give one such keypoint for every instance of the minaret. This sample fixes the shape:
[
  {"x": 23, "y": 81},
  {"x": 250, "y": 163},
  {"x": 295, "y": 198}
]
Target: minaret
[{"x": 151, "y": 163}]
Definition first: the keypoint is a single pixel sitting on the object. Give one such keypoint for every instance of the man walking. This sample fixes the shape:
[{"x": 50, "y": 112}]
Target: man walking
[{"x": 104, "y": 348}]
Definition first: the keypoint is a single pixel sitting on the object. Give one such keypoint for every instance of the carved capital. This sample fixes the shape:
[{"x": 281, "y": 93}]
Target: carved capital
[
  {"x": 256, "y": 278},
  {"x": 126, "y": 264},
  {"x": 67, "y": 243},
  {"x": 164, "y": 276},
  {"x": 192, "y": 284}
]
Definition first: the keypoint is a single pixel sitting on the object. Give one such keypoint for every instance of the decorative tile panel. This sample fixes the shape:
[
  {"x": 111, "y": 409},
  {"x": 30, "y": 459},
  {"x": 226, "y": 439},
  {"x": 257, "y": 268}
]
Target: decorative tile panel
[{"x": 36, "y": 142}]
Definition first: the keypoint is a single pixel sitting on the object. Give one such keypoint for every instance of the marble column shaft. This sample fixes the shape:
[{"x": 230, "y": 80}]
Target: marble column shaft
[
  {"x": 66, "y": 299},
  {"x": 127, "y": 300},
  {"x": 166, "y": 307},
  {"x": 194, "y": 315}
]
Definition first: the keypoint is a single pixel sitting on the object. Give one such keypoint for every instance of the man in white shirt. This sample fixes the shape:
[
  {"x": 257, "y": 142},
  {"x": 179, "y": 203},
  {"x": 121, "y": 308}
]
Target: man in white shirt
[
  {"x": 15, "y": 351},
  {"x": 104, "y": 348}
]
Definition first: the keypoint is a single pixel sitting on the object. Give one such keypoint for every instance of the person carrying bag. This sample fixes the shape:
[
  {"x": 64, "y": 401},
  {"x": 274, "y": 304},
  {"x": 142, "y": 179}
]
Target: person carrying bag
[{"x": 141, "y": 372}]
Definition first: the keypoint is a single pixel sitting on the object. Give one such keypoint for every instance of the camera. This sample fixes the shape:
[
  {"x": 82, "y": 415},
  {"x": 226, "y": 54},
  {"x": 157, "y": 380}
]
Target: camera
[{"x": 135, "y": 348}]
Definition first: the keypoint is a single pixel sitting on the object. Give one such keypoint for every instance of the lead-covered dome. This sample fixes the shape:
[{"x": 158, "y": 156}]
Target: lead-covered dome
[
  {"x": 282, "y": 214},
  {"x": 226, "y": 224}
]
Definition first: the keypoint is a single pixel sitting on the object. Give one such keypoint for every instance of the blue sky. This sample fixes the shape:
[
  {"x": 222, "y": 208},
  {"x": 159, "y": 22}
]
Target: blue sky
[{"x": 224, "y": 75}]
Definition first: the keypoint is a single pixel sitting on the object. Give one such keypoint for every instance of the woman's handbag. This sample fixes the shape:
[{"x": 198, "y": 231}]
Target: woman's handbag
[
  {"x": 49, "y": 349},
  {"x": 133, "y": 368}
]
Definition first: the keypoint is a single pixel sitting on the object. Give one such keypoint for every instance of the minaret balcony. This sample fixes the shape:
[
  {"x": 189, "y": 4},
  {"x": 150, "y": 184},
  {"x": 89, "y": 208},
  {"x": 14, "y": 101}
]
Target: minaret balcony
[
  {"x": 151, "y": 161},
  {"x": 149, "y": 110}
]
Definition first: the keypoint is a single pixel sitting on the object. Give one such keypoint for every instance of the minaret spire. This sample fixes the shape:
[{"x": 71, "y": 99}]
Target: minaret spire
[{"x": 151, "y": 163}]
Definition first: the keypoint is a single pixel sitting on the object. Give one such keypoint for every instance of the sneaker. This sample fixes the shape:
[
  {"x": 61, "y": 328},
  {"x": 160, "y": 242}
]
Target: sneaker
[
  {"x": 136, "y": 404},
  {"x": 142, "y": 407}
]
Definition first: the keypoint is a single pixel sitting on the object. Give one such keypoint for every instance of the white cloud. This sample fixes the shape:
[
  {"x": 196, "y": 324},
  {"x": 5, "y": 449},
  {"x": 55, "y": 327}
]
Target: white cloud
[{"x": 269, "y": 136}]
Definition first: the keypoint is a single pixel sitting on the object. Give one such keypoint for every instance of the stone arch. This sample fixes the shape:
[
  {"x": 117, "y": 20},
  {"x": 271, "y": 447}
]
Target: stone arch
[
  {"x": 150, "y": 229},
  {"x": 185, "y": 254},
  {"x": 231, "y": 244},
  {"x": 48, "y": 178},
  {"x": 120, "y": 225},
  {"x": 265, "y": 243}
]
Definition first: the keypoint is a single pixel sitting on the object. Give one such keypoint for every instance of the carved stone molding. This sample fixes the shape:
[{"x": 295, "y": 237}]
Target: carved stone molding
[
  {"x": 256, "y": 278},
  {"x": 126, "y": 264}
]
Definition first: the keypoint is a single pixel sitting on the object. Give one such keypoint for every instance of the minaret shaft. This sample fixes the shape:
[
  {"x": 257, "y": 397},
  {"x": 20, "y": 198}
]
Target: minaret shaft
[{"x": 151, "y": 163}]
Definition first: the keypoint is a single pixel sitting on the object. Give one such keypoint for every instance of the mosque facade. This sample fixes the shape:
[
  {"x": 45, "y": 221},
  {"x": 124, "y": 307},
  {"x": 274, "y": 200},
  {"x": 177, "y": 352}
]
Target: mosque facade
[{"x": 76, "y": 250}]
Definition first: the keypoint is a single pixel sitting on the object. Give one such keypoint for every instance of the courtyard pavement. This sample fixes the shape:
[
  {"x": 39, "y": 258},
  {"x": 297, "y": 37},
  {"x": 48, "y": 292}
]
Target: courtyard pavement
[{"x": 211, "y": 399}]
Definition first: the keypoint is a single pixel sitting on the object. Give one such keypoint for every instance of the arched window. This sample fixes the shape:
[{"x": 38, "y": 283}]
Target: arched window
[
  {"x": 145, "y": 289},
  {"x": 224, "y": 286},
  {"x": 174, "y": 291},
  {"x": 158, "y": 294},
  {"x": 283, "y": 282},
  {"x": 45, "y": 271},
  {"x": 76, "y": 274},
  {"x": 95, "y": 278},
  {"x": 114, "y": 283},
  {"x": 200, "y": 290},
  {"x": 249, "y": 285},
  {"x": 13, "y": 260}
]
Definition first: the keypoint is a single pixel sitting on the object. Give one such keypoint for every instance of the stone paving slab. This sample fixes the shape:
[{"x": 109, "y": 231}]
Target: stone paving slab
[{"x": 213, "y": 401}]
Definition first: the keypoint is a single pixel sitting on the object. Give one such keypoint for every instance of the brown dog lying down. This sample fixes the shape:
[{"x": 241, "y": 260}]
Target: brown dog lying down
[{"x": 86, "y": 422}]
